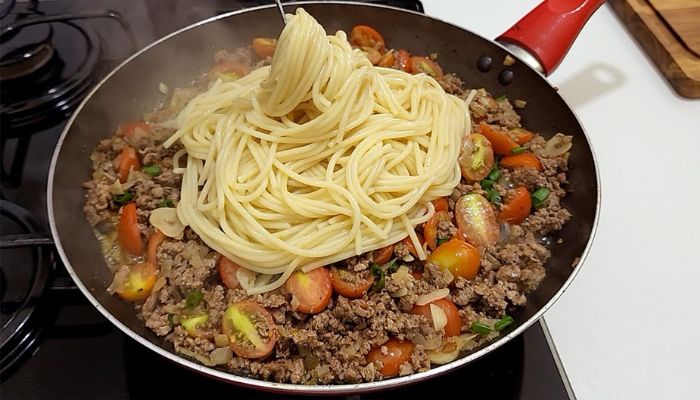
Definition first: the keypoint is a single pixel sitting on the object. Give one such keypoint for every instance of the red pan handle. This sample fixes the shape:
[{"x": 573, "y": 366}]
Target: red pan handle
[{"x": 548, "y": 31}]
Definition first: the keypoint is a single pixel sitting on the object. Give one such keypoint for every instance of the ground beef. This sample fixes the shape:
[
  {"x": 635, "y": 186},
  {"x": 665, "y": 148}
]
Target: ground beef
[{"x": 331, "y": 346}]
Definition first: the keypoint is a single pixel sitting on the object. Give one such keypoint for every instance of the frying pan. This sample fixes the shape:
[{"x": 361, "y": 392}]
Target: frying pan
[{"x": 132, "y": 89}]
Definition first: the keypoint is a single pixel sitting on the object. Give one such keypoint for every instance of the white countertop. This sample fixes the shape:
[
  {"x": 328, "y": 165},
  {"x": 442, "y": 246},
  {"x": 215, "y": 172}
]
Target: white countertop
[{"x": 628, "y": 326}]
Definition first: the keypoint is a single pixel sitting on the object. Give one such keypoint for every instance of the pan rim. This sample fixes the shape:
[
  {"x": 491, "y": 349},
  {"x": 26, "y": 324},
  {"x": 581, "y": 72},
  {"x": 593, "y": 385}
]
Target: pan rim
[{"x": 339, "y": 389}]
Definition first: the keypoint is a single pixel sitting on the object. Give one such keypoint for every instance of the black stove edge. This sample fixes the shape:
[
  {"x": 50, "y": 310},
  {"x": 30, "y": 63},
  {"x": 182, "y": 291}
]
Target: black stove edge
[{"x": 557, "y": 359}]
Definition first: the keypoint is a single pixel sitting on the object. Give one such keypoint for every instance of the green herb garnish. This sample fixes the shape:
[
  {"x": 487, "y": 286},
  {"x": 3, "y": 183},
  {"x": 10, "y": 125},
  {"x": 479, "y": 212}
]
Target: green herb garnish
[
  {"x": 503, "y": 323},
  {"x": 519, "y": 150},
  {"x": 122, "y": 198},
  {"x": 391, "y": 267},
  {"x": 379, "y": 277},
  {"x": 193, "y": 299},
  {"x": 478, "y": 327},
  {"x": 539, "y": 196},
  {"x": 501, "y": 98},
  {"x": 442, "y": 241},
  {"x": 493, "y": 196},
  {"x": 166, "y": 203},
  {"x": 152, "y": 169}
]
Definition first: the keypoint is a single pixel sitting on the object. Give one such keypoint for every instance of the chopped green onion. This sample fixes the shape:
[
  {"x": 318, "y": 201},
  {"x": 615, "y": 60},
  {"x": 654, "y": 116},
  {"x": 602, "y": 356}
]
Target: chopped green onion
[
  {"x": 166, "y": 203},
  {"x": 519, "y": 150},
  {"x": 478, "y": 327},
  {"x": 123, "y": 198},
  {"x": 493, "y": 196},
  {"x": 486, "y": 184},
  {"x": 193, "y": 299},
  {"x": 152, "y": 169},
  {"x": 495, "y": 174},
  {"x": 391, "y": 266},
  {"x": 171, "y": 320},
  {"x": 442, "y": 241},
  {"x": 501, "y": 98},
  {"x": 539, "y": 196},
  {"x": 378, "y": 273},
  {"x": 503, "y": 322}
]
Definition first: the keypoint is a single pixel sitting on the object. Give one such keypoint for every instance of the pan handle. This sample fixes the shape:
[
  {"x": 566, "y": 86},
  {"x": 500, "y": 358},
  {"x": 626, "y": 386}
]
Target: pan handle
[{"x": 546, "y": 33}]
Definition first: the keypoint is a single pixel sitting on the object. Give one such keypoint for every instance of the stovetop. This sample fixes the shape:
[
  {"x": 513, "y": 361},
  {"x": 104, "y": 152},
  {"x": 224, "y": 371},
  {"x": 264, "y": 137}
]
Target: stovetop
[{"x": 73, "y": 351}]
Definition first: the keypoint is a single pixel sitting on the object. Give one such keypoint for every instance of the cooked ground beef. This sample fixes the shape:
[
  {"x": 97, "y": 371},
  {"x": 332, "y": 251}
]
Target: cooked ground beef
[{"x": 330, "y": 346}]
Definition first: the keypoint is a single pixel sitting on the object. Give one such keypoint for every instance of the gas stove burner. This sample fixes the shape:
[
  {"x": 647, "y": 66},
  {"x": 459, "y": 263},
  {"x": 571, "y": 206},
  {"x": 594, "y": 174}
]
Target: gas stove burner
[
  {"x": 46, "y": 69},
  {"x": 25, "y": 267}
]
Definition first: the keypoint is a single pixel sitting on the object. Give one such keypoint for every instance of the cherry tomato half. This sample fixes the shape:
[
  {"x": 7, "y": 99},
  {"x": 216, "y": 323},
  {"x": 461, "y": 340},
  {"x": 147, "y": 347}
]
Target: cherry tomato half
[
  {"x": 476, "y": 220},
  {"x": 426, "y": 66},
  {"x": 454, "y": 321},
  {"x": 475, "y": 157},
  {"x": 383, "y": 255},
  {"x": 457, "y": 256},
  {"x": 252, "y": 332},
  {"x": 227, "y": 272},
  {"x": 312, "y": 289},
  {"x": 398, "y": 353},
  {"x": 264, "y": 47},
  {"x": 350, "y": 284},
  {"x": 366, "y": 36},
  {"x": 138, "y": 283}
]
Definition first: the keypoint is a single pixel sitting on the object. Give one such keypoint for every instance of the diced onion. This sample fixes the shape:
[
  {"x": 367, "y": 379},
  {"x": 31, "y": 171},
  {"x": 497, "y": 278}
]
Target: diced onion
[
  {"x": 163, "y": 88},
  {"x": 166, "y": 220},
  {"x": 119, "y": 279},
  {"x": 452, "y": 348},
  {"x": 439, "y": 317},
  {"x": 429, "y": 343},
  {"x": 189, "y": 353},
  {"x": 439, "y": 358},
  {"x": 221, "y": 355},
  {"x": 432, "y": 296},
  {"x": 246, "y": 278},
  {"x": 116, "y": 188},
  {"x": 294, "y": 304},
  {"x": 221, "y": 340}
]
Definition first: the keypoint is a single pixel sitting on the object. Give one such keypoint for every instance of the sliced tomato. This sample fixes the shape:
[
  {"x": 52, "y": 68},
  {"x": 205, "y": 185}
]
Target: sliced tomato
[
  {"x": 264, "y": 47},
  {"x": 517, "y": 207},
  {"x": 227, "y": 272},
  {"x": 476, "y": 157},
  {"x": 501, "y": 142},
  {"x": 366, "y": 36},
  {"x": 250, "y": 329},
  {"x": 129, "y": 234},
  {"x": 130, "y": 129},
  {"x": 521, "y": 135},
  {"x": 138, "y": 283},
  {"x": 524, "y": 160},
  {"x": 404, "y": 60},
  {"x": 398, "y": 352},
  {"x": 409, "y": 244},
  {"x": 476, "y": 220},
  {"x": 387, "y": 60},
  {"x": 441, "y": 204},
  {"x": 383, "y": 255},
  {"x": 312, "y": 290},
  {"x": 126, "y": 161},
  {"x": 426, "y": 66},
  {"x": 229, "y": 70},
  {"x": 430, "y": 228},
  {"x": 457, "y": 256},
  {"x": 454, "y": 321},
  {"x": 152, "y": 250},
  {"x": 350, "y": 284}
]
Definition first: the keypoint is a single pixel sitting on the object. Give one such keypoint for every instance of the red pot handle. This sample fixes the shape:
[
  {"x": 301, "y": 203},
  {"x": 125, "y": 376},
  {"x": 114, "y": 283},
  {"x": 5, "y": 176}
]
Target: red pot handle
[{"x": 548, "y": 31}]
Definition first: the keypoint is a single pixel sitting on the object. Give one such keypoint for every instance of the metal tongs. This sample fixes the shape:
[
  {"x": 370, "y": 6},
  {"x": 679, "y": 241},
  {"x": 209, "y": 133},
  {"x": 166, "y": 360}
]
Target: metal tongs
[{"x": 281, "y": 9}]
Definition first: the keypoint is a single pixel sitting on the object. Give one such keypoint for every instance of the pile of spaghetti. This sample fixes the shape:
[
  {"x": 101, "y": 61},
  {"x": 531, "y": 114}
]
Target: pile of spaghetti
[{"x": 319, "y": 157}]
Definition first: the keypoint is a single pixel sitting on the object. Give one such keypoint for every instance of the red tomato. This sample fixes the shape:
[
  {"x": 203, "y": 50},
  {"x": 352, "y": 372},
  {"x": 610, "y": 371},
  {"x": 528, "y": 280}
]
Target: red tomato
[
  {"x": 138, "y": 283},
  {"x": 517, "y": 208},
  {"x": 409, "y": 244},
  {"x": 476, "y": 220},
  {"x": 129, "y": 129},
  {"x": 126, "y": 161},
  {"x": 152, "y": 250},
  {"x": 404, "y": 60},
  {"x": 252, "y": 332},
  {"x": 441, "y": 204},
  {"x": 521, "y": 135},
  {"x": 501, "y": 142},
  {"x": 264, "y": 47},
  {"x": 430, "y": 228},
  {"x": 387, "y": 60},
  {"x": 383, "y": 255},
  {"x": 129, "y": 234},
  {"x": 426, "y": 66},
  {"x": 227, "y": 272},
  {"x": 457, "y": 256},
  {"x": 397, "y": 354},
  {"x": 228, "y": 67},
  {"x": 366, "y": 36},
  {"x": 523, "y": 160},
  {"x": 476, "y": 157},
  {"x": 454, "y": 321},
  {"x": 312, "y": 289},
  {"x": 348, "y": 284}
]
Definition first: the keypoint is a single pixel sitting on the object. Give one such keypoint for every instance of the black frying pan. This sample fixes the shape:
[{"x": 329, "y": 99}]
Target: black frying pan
[{"x": 132, "y": 88}]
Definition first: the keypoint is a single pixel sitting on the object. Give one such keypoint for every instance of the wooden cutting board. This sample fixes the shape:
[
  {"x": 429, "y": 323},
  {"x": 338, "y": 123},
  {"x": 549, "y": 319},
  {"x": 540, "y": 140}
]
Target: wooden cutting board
[{"x": 669, "y": 31}]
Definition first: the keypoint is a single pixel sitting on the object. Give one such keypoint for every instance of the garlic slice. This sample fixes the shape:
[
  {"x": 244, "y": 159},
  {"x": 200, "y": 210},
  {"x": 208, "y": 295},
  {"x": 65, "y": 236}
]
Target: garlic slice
[
  {"x": 439, "y": 317},
  {"x": 556, "y": 146},
  {"x": 166, "y": 220},
  {"x": 432, "y": 296}
]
